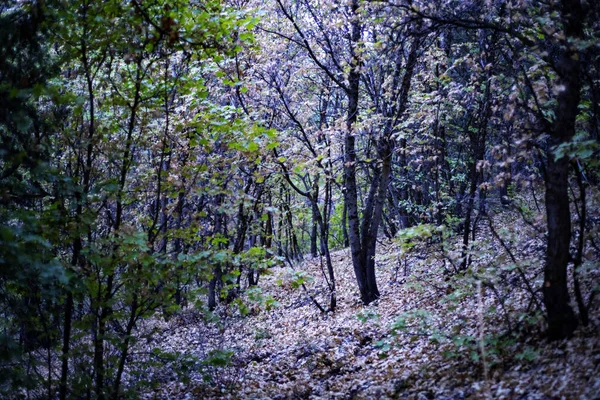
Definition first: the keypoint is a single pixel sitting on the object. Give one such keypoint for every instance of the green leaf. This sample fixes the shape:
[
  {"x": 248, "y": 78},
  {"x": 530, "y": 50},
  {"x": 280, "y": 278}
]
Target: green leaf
[{"x": 218, "y": 358}]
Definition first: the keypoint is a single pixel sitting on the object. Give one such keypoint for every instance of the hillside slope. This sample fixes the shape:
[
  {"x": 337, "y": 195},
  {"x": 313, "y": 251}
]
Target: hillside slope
[{"x": 431, "y": 335}]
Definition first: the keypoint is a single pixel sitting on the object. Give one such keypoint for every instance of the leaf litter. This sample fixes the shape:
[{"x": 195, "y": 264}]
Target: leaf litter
[{"x": 431, "y": 335}]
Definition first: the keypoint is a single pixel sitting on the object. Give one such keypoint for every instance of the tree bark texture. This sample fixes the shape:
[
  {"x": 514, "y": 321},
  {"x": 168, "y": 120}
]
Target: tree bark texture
[{"x": 561, "y": 318}]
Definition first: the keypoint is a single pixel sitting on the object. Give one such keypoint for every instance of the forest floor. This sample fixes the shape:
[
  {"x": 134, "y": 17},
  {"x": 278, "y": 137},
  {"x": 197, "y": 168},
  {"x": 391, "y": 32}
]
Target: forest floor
[{"x": 431, "y": 335}]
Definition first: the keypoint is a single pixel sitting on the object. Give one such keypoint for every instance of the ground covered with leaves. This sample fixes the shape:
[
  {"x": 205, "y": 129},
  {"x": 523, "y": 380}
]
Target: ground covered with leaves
[{"x": 434, "y": 334}]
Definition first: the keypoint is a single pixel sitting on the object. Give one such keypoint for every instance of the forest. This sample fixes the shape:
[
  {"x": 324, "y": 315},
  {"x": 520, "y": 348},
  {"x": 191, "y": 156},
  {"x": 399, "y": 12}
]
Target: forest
[{"x": 299, "y": 199}]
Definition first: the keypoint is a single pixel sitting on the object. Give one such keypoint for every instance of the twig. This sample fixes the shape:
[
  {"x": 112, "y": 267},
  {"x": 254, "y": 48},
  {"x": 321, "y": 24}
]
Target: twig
[
  {"x": 514, "y": 260},
  {"x": 314, "y": 301},
  {"x": 481, "y": 329}
]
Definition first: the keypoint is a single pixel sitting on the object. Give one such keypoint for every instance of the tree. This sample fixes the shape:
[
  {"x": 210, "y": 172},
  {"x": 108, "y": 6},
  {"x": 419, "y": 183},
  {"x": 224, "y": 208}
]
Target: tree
[
  {"x": 99, "y": 129},
  {"x": 562, "y": 47},
  {"x": 339, "y": 52}
]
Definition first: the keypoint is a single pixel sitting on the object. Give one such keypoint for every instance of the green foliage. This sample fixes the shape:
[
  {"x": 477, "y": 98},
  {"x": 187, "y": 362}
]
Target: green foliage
[
  {"x": 262, "y": 334},
  {"x": 528, "y": 354},
  {"x": 90, "y": 209},
  {"x": 299, "y": 278},
  {"x": 213, "y": 362},
  {"x": 419, "y": 319},
  {"x": 367, "y": 315},
  {"x": 409, "y": 237},
  {"x": 257, "y": 300},
  {"x": 218, "y": 358},
  {"x": 383, "y": 347},
  {"x": 579, "y": 148}
]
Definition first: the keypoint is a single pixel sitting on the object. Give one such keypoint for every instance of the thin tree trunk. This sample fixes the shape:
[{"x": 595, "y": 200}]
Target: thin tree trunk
[
  {"x": 125, "y": 347},
  {"x": 315, "y": 216},
  {"x": 577, "y": 260},
  {"x": 66, "y": 346},
  {"x": 351, "y": 190},
  {"x": 478, "y": 140},
  {"x": 345, "y": 236},
  {"x": 468, "y": 212}
]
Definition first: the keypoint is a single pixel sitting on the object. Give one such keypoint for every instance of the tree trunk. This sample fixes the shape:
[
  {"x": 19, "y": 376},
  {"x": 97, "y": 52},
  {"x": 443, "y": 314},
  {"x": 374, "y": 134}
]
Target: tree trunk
[
  {"x": 345, "y": 236},
  {"x": 314, "y": 225},
  {"x": 561, "y": 318},
  {"x": 468, "y": 212},
  {"x": 322, "y": 224},
  {"x": 66, "y": 346},
  {"x": 385, "y": 153},
  {"x": 363, "y": 247},
  {"x": 125, "y": 347},
  {"x": 477, "y": 140},
  {"x": 213, "y": 288},
  {"x": 351, "y": 190}
]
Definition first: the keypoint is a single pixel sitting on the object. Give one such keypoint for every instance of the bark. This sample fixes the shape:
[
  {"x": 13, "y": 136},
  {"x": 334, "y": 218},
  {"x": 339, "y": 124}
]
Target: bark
[
  {"x": 578, "y": 259},
  {"x": 214, "y": 283},
  {"x": 345, "y": 236},
  {"x": 125, "y": 347},
  {"x": 351, "y": 190},
  {"x": 478, "y": 141},
  {"x": 385, "y": 153},
  {"x": 314, "y": 227},
  {"x": 100, "y": 337},
  {"x": 372, "y": 213},
  {"x": 322, "y": 222},
  {"x": 313, "y": 237},
  {"x": 468, "y": 213},
  {"x": 362, "y": 246},
  {"x": 561, "y": 318},
  {"x": 104, "y": 308},
  {"x": 212, "y": 288},
  {"x": 66, "y": 347}
]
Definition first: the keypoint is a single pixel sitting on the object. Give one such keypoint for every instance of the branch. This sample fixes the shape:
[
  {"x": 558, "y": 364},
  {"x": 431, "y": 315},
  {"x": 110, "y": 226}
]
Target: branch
[
  {"x": 308, "y": 48},
  {"x": 286, "y": 175},
  {"x": 460, "y": 22},
  {"x": 514, "y": 260}
]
